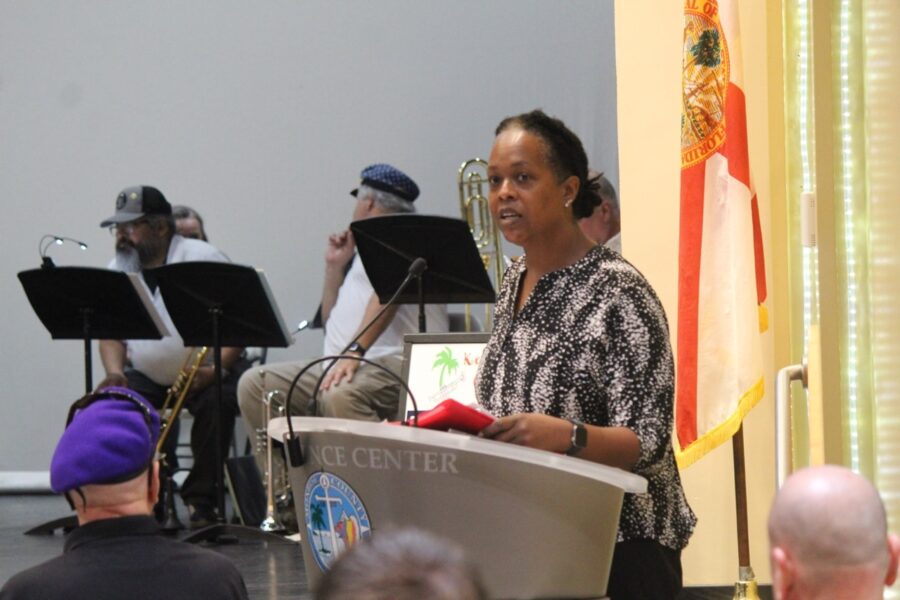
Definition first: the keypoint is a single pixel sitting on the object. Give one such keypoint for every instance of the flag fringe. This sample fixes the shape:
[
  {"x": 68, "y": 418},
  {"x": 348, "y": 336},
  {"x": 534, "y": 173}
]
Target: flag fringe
[{"x": 723, "y": 432}]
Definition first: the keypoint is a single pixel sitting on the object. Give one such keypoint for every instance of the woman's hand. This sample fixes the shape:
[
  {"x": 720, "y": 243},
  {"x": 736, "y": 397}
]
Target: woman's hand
[
  {"x": 613, "y": 446},
  {"x": 532, "y": 430}
]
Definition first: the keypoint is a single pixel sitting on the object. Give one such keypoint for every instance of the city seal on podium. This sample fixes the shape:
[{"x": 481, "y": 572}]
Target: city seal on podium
[
  {"x": 335, "y": 517},
  {"x": 705, "y": 77}
]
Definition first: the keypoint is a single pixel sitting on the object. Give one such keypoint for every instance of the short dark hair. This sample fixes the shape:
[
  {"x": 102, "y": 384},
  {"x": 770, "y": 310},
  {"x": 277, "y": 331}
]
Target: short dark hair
[
  {"x": 564, "y": 153},
  {"x": 402, "y": 564}
]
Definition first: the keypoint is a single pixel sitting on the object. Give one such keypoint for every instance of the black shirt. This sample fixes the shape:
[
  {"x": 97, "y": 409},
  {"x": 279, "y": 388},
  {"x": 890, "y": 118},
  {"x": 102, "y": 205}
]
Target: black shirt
[{"x": 128, "y": 558}]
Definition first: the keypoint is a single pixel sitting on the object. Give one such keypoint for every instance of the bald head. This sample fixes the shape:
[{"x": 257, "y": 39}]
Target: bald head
[
  {"x": 828, "y": 520},
  {"x": 133, "y": 497}
]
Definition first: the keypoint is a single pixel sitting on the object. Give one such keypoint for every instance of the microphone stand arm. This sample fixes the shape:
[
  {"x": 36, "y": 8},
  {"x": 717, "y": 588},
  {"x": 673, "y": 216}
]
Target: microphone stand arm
[{"x": 421, "y": 304}]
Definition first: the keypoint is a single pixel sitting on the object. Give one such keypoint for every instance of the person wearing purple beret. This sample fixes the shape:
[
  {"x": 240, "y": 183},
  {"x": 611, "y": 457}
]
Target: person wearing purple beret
[{"x": 105, "y": 464}]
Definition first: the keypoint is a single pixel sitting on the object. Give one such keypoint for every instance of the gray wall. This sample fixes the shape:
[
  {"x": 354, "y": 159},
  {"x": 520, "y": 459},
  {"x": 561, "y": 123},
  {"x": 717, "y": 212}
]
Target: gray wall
[{"x": 260, "y": 115}]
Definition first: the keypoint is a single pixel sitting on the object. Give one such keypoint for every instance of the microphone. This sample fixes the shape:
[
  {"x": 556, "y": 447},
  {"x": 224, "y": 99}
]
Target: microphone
[
  {"x": 48, "y": 240},
  {"x": 416, "y": 268},
  {"x": 295, "y": 452}
]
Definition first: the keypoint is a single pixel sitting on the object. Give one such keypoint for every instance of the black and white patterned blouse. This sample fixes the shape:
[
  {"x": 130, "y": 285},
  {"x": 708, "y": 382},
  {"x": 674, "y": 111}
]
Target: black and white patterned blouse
[{"x": 592, "y": 343}]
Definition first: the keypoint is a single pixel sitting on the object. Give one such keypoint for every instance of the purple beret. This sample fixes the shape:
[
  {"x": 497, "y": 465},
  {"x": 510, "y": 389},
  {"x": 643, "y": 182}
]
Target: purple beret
[{"x": 109, "y": 441}]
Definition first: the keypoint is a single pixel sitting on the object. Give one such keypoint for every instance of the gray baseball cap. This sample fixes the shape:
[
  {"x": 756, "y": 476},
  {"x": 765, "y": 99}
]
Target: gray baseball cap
[{"x": 136, "y": 202}]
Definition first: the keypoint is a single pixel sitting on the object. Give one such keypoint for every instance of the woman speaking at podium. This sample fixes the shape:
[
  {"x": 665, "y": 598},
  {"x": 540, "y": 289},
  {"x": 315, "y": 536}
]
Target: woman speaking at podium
[{"x": 579, "y": 360}]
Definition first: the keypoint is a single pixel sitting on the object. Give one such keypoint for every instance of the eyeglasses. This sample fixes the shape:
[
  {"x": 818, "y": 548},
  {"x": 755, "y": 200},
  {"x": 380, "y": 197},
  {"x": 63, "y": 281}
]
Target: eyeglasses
[{"x": 126, "y": 228}]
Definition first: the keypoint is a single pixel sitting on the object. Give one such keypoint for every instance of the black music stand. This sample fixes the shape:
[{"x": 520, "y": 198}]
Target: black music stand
[
  {"x": 222, "y": 304},
  {"x": 389, "y": 244},
  {"x": 85, "y": 303}
]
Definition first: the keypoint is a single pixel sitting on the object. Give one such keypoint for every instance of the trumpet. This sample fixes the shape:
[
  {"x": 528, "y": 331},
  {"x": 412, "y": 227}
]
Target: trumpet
[
  {"x": 271, "y": 522},
  {"x": 473, "y": 204},
  {"x": 178, "y": 392}
]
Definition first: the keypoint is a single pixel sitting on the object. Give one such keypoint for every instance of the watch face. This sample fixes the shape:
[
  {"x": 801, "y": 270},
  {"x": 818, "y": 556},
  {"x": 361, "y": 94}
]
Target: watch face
[{"x": 580, "y": 435}]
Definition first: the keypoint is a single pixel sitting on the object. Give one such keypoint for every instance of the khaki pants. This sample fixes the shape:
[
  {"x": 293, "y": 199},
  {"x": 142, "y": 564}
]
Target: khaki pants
[{"x": 372, "y": 395}]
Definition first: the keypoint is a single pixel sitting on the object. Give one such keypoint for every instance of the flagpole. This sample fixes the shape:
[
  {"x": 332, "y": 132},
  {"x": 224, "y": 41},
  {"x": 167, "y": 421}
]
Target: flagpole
[{"x": 745, "y": 587}]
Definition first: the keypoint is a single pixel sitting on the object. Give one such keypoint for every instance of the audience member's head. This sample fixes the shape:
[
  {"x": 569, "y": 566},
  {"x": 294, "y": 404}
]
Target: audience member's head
[
  {"x": 403, "y": 564},
  {"x": 104, "y": 462},
  {"x": 828, "y": 537},
  {"x": 189, "y": 223},
  {"x": 604, "y": 222}
]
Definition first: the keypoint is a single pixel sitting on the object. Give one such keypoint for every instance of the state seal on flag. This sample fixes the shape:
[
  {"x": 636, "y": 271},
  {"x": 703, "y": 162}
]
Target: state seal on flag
[{"x": 705, "y": 76}]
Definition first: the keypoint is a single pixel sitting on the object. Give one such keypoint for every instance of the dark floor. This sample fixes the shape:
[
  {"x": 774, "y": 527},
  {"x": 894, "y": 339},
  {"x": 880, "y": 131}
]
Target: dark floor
[{"x": 271, "y": 570}]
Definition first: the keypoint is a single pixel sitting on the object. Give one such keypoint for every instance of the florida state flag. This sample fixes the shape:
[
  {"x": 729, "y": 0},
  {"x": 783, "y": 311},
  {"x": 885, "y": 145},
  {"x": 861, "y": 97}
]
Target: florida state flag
[{"x": 721, "y": 273}]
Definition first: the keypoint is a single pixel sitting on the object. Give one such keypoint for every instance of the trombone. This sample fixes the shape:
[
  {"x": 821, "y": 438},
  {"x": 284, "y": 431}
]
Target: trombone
[{"x": 473, "y": 204}]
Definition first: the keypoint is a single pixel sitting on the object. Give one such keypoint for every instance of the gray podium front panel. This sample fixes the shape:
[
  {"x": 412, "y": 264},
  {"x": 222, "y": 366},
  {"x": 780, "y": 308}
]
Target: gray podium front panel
[{"x": 537, "y": 524}]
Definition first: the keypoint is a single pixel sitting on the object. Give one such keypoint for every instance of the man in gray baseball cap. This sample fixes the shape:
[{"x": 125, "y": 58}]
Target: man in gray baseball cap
[{"x": 145, "y": 237}]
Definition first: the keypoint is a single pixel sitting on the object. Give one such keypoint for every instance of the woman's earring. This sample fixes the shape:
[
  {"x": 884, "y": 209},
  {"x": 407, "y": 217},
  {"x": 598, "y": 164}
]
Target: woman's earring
[{"x": 569, "y": 202}]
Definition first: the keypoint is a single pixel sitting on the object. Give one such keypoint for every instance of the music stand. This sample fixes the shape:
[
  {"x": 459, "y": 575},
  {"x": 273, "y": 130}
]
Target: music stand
[
  {"x": 387, "y": 245},
  {"x": 85, "y": 303},
  {"x": 222, "y": 304}
]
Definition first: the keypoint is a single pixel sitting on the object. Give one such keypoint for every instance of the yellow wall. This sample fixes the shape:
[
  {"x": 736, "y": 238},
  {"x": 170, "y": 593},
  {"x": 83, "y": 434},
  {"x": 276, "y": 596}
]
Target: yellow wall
[{"x": 648, "y": 55}]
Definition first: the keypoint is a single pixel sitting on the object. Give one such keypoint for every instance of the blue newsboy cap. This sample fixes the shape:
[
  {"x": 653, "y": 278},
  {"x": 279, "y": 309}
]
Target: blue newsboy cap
[
  {"x": 388, "y": 179},
  {"x": 108, "y": 441}
]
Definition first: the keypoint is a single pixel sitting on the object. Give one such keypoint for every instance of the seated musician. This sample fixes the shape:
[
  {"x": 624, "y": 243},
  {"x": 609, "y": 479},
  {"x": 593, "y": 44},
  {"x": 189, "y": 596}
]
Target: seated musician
[
  {"x": 579, "y": 360},
  {"x": 105, "y": 465},
  {"x": 351, "y": 390},
  {"x": 144, "y": 230},
  {"x": 189, "y": 223},
  {"x": 603, "y": 224}
]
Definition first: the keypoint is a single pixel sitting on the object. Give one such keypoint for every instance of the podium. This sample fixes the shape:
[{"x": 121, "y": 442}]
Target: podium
[{"x": 535, "y": 524}]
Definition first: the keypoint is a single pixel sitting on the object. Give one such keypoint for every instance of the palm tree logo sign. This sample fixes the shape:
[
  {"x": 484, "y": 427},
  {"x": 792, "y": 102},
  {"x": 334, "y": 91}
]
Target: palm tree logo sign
[{"x": 447, "y": 364}]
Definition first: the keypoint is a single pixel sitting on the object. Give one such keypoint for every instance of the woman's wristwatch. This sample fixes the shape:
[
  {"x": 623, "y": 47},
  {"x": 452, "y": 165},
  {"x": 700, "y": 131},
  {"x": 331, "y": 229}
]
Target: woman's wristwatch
[{"x": 579, "y": 437}]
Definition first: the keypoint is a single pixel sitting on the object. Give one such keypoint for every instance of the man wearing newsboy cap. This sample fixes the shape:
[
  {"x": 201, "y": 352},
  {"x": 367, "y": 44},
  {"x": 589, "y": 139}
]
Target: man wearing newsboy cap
[
  {"x": 351, "y": 390},
  {"x": 105, "y": 465}
]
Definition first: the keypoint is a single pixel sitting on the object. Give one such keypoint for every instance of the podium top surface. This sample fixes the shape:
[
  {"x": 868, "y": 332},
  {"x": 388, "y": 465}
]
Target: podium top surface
[{"x": 629, "y": 482}]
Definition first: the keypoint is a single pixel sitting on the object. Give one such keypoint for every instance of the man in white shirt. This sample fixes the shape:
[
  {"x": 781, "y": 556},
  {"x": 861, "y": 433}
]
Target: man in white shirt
[
  {"x": 351, "y": 389},
  {"x": 144, "y": 230}
]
